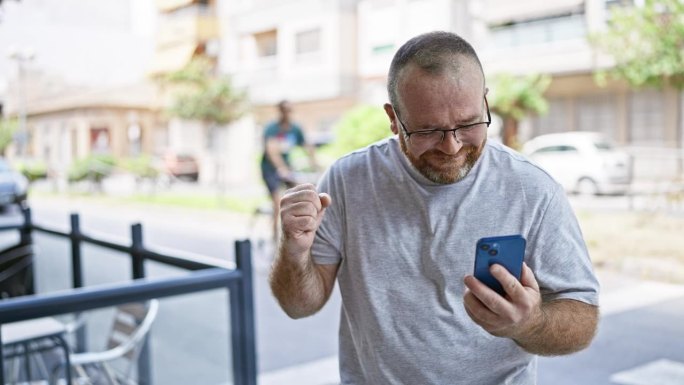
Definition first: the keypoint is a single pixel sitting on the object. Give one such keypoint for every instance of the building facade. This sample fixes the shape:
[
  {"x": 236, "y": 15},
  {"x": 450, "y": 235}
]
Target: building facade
[
  {"x": 74, "y": 126},
  {"x": 521, "y": 38},
  {"x": 326, "y": 56}
]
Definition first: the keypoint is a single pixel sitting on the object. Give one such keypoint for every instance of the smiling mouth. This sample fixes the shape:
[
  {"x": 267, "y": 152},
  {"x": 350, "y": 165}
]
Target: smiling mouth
[{"x": 446, "y": 159}]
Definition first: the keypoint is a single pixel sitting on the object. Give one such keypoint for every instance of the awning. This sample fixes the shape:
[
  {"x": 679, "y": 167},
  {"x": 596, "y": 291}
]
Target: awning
[
  {"x": 170, "y": 59},
  {"x": 170, "y": 5},
  {"x": 503, "y": 11}
]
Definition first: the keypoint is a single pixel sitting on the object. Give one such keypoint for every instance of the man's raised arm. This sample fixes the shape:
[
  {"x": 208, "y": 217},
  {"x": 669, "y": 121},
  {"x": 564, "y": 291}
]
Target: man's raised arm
[{"x": 301, "y": 286}]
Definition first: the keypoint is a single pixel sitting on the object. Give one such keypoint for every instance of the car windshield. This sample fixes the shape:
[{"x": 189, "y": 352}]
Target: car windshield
[{"x": 603, "y": 146}]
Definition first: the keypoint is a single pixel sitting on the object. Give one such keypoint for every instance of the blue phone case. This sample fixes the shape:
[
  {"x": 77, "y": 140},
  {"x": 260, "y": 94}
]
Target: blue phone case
[{"x": 507, "y": 251}]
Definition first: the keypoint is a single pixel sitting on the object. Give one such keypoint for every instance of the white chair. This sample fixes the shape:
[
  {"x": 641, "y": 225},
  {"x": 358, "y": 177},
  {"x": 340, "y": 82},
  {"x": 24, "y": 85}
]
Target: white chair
[{"x": 131, "y": 324}]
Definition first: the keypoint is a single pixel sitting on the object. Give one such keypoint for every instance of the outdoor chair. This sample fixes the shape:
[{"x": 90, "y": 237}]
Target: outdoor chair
[
  {"x": 131, "y": 324},
  {"x": 16, "y": 271}
]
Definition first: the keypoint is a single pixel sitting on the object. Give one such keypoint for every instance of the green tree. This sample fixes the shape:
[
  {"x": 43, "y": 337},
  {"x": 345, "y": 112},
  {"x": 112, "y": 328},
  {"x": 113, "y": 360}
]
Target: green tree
[
  {"x": 516, "y": 97},
  {"x": 200, "y": 94},
  {"x": 359, "y": 127},
  {"x": 7, "y": 130},
  {"x": 647, "y": 44}
]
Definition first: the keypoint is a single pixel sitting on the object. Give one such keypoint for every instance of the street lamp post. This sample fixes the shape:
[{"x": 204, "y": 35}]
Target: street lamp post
[{"x": 21, "y": 57}]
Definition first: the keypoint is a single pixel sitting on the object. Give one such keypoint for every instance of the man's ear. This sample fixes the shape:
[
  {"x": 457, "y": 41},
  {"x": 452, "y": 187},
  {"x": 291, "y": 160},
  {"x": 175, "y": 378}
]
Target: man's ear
[{"x": 393, "y": 118}]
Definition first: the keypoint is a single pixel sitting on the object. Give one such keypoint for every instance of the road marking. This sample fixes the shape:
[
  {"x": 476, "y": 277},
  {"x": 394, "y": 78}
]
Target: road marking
[
  {"x": 321, "y": 372},
  {"x": 639, "y": 295},
  {"x": 661, "y": 372}
]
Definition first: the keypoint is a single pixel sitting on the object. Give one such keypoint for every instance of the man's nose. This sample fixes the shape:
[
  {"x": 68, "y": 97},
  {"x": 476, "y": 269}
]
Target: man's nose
[{"x": 451, "y": 143}]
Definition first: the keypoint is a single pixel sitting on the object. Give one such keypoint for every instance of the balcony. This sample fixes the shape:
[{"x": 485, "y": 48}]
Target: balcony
[{"x": 196, "y": 24}]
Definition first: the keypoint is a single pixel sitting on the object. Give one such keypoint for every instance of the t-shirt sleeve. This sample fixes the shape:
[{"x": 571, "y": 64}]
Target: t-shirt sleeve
[
  {"x": 559, "y": 257},
  {"x": 327, "y": 246}
]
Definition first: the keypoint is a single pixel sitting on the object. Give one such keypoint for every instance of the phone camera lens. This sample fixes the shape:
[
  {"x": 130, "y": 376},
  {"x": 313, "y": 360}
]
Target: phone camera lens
[
  {"x": 484, "y": 247},
  {"x": 493, "y": 252}
]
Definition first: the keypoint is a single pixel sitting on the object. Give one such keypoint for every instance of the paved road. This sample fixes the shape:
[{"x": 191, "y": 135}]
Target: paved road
[{"x": 640, "y": 334}]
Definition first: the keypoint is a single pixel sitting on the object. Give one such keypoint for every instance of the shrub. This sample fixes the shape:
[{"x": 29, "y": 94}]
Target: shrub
[
  {"x": 33, "y": 170},
  {"x": 143, "y": 167},
  {"x": 92, "y": 168},
  {"x": 358, "y": 128}
]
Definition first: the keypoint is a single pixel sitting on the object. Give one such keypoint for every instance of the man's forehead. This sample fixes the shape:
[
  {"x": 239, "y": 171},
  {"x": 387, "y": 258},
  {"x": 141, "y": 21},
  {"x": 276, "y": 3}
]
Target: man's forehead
[
  {"x": 459, "y": 65},
  {"x": 467, "y": 80},
  {"x": 462, "y": 73}
]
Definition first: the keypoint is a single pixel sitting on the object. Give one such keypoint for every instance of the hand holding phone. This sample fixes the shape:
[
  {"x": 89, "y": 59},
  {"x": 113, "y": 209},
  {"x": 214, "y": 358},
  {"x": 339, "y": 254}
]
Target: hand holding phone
[{"x": 507, "y": 251}]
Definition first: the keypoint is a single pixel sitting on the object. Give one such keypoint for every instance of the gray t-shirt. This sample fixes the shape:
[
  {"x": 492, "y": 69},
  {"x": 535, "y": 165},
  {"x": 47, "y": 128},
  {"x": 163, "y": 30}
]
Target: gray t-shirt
[{"x": 404, "y": 245}]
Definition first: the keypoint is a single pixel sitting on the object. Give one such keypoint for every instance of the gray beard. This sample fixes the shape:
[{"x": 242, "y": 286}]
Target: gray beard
[{"x": 438, "y": 176}]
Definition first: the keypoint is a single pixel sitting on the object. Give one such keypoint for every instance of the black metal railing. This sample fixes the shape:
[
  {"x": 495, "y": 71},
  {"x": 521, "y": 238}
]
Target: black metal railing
[{"x": 204, "y": 275}]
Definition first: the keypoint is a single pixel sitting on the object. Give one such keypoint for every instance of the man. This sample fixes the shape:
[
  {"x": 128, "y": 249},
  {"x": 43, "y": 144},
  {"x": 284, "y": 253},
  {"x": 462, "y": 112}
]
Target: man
[
  {"x": 397, "y": 223},
  {"x": 280, "y": 137}
]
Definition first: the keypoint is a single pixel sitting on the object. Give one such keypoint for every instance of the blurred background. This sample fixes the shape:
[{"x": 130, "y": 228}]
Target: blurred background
[
  {"x": 154, "y": 111},
  {"x": 165, "y": 82}
]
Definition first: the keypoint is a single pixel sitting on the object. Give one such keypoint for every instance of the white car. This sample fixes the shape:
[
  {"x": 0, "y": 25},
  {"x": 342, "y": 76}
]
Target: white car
[{"x": 582, "y": 162}]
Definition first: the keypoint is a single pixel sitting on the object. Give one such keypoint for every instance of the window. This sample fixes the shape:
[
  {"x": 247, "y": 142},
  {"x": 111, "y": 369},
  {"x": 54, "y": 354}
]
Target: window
[
  {"x": 308, "y": 41},
  {"x": 99, "y": 140},
  {"x": 556, "y": 119},
  {"x": 616, "y": 4},
  {"x": 556, "y": 149},
  {"x": 647, "y": 118},
  {"x": 539, "y": 31},
  {"x": 267, "y": 43},
  {"x": 596, "y": 113},
  {"x": 603, "y": 146}
]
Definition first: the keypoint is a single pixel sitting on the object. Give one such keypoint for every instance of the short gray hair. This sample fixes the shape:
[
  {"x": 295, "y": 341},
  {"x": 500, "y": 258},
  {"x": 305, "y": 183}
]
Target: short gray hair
[{"x": 433, "y": 52}]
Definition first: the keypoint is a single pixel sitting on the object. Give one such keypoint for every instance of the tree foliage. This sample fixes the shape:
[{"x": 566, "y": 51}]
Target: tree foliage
[
  {"x": 201, "y": 95},
  {"x": 7, "y": 130},
  {"x": 515, "y": 98},
  {"x": 359, "y": 127},
  {"x": 647, "y": 44}
]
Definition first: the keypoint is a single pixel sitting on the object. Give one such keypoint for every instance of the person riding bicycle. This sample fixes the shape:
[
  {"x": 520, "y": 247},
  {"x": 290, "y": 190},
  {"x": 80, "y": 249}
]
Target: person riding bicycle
[{"x": 280, "y": 137}]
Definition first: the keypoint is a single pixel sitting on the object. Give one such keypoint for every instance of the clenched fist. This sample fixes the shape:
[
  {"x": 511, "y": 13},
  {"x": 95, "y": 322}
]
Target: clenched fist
[{"x": 301, "y": 211}]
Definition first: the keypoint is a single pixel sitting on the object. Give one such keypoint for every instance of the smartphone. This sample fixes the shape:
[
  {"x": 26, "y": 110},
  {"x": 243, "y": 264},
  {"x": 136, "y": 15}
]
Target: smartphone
[{"x": 507, "y": 251}]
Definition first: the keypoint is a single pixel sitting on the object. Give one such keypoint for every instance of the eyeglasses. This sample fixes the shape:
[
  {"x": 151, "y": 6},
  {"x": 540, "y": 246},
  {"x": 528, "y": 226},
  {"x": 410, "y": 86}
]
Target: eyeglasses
[{"x": 430, "y": 138}]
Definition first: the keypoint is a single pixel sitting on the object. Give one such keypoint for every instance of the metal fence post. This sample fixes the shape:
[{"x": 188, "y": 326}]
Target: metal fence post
[
  {"x": 245, "y": 335},
  {"x": 137, "y": 251},
  {"x": 76, "y": 265},
  {"x": 25, "y": 231},
  {"x": 26, "y": 238},
  {"x": 77, "y": 274},
  {"x": 138, "y": 268},
  {"x": 2, "y": 360}
]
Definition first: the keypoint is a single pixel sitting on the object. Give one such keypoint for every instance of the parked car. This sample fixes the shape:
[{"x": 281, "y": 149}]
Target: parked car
[
  {"x": 181, "y": 166},
  {"x": 13, "y": 186},
  {"x": 582, "y": 162}
]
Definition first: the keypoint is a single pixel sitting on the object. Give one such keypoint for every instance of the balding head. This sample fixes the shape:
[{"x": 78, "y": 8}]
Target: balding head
[{"x": 434, "y": 53}]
